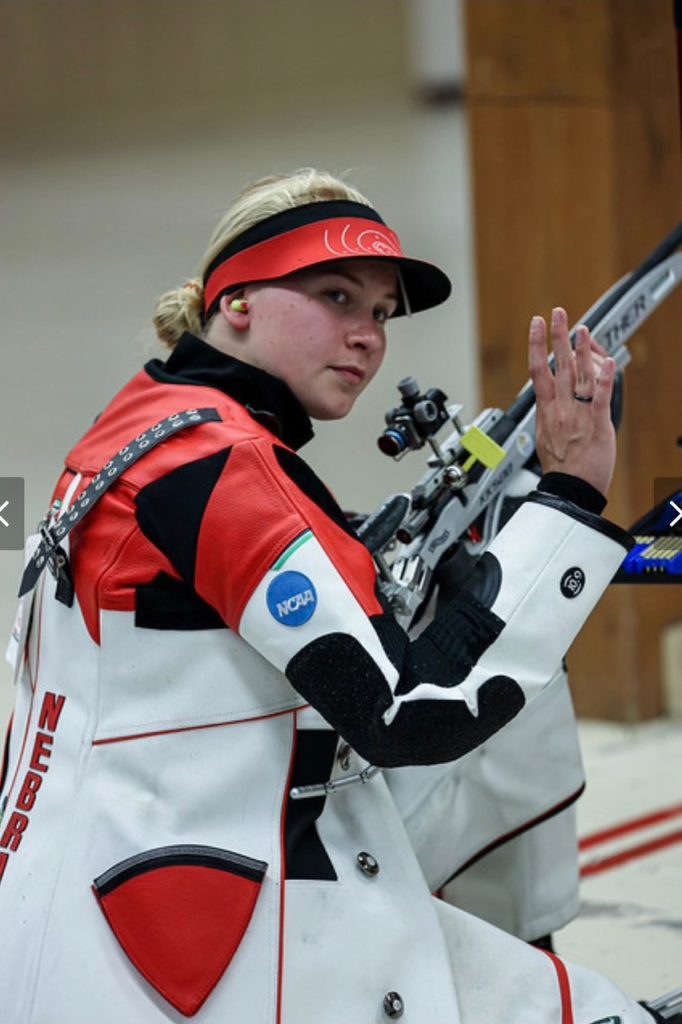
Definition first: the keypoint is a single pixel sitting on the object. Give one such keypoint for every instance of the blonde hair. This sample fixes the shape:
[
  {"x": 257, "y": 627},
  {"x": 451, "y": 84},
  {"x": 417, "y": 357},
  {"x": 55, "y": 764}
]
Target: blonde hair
[{"x": 181, "y": 309}]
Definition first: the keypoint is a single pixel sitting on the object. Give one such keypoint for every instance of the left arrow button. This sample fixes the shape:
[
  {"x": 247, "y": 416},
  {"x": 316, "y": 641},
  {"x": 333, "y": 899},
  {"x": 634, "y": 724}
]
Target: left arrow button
[{"x": 11, "y": 513}]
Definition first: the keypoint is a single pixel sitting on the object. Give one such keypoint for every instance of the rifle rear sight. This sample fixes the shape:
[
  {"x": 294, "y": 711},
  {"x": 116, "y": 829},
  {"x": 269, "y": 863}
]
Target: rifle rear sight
[{"x": 415, "y": 422}]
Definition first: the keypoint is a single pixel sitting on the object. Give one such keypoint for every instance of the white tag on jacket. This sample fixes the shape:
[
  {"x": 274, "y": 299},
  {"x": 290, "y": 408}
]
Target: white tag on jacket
[
  {"x": 17, "y": 639},
  {"x": 22, "y": 621}
]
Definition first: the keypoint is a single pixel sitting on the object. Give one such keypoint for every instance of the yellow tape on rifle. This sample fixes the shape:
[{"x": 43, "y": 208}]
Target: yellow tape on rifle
[{"x": 482, "y": 449}]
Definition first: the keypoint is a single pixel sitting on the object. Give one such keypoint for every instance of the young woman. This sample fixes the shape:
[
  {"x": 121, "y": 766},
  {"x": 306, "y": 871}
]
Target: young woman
[{"x": 209, "y": 641}]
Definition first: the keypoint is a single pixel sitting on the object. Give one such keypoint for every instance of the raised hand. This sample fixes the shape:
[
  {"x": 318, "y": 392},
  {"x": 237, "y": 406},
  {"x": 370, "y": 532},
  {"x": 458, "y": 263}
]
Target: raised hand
[{"x": 574, "y": 432}]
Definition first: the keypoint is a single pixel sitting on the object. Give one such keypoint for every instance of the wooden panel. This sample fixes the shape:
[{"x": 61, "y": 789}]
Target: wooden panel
[
  {"x": 576, "y": 159},
  {"x": 543, "y": 235},
  {"x": 646, "y": 194},
  {"x": 534, "y": 48}
]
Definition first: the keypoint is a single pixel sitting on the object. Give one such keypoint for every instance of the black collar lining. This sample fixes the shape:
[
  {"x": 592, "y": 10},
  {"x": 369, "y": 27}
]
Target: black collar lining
[{"x": 267, "y": 399}]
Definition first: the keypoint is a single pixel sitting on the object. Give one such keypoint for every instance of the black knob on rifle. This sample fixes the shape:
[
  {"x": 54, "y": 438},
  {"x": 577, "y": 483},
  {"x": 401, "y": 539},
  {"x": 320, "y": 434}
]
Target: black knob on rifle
[
  {"x": 408, "y": 387},
  {"x": 379, "y": 528}
]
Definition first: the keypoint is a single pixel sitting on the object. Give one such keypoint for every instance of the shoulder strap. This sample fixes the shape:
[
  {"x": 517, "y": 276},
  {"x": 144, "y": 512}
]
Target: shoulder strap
[{"x": 49, "y": 553}]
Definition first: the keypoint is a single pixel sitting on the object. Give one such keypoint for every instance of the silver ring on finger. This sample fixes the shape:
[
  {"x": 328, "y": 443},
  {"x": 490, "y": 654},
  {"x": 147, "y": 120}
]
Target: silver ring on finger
[{"x": 583, "y": 398}]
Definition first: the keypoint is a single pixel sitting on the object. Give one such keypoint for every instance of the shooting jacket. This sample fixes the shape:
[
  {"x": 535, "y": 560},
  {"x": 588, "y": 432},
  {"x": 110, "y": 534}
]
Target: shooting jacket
[{"x": 227, "y": 646}]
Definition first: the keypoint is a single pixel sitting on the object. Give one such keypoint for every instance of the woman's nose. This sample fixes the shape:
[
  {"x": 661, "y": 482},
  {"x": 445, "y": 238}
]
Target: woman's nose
[{"x": 368, "y": 335}]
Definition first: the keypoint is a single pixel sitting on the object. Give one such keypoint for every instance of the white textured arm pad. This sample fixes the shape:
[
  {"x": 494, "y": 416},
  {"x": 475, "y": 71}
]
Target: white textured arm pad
[
  {"x": 556, "y": 561},
  {"x": 545, "y": 570}
]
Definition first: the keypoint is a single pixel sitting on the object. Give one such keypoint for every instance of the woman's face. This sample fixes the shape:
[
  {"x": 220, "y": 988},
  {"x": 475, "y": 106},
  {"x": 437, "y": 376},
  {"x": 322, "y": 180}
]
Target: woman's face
[{"x": 322, "y": 331}]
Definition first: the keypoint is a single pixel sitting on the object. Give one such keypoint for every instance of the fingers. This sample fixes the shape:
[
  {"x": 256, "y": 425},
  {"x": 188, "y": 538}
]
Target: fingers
[
  {"x": 563, "y": 356},
  {"x": 594, "y": 372},
  {"x": 604, "y": 388},
  {"x": 598, "y": 353},
  {"x": 573, "y": 436},
  {"x": 597, "y": 348},
  {"x": 584, "y": 364},
  {"x": 561, "y": 383},
  {"x": 585, "y": 371},
  {"x": 538, "y": 367}
]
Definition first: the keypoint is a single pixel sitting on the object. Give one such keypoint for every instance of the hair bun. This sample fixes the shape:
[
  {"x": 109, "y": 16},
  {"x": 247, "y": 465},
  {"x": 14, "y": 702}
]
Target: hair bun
[{"x": 178, "y": 311}]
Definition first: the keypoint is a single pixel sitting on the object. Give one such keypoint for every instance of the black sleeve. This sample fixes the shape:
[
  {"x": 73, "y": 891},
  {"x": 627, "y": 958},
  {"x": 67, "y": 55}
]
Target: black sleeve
[{"x": 575, "y": 490}]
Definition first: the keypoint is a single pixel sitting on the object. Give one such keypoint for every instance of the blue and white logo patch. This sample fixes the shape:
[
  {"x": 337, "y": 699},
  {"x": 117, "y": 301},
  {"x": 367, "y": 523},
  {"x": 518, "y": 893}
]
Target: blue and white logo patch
[{"x": 291, "y": 599}]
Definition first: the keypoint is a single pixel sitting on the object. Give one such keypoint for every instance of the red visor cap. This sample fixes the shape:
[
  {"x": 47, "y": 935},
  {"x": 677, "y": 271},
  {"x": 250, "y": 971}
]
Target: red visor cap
[{"x": 326, "y": 241}]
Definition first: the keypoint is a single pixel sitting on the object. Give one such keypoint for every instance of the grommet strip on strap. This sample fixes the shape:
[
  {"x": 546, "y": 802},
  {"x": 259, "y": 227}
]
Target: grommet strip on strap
[{"x": 49, "y": 551}]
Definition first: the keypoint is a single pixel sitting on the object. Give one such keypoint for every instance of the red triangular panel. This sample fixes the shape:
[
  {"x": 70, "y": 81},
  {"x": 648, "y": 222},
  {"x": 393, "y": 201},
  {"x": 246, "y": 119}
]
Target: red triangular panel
[{"x": 181, "y": 925}]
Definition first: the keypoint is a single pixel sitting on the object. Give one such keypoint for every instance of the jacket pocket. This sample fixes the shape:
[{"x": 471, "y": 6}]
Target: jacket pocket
[{"x": 180, "y": 913}]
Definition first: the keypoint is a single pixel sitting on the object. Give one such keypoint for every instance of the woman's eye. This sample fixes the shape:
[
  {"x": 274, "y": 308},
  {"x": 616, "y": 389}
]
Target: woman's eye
[
  {"x": 381, "y": 315},
  {"x": 338, "y": 296}
]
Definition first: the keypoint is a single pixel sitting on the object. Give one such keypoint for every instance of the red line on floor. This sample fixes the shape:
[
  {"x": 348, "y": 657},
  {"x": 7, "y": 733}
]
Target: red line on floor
[
  {"x": 629, "y": 826},
  {"x": 641, "y": 850}
]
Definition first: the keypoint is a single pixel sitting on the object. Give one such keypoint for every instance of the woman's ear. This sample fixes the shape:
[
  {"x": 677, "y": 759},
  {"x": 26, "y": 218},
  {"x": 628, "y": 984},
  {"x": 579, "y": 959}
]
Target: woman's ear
[{"x": 235, "y": 309}]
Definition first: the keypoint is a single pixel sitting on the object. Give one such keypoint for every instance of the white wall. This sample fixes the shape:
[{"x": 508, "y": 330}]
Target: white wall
[{"x": 92, "y": 233}]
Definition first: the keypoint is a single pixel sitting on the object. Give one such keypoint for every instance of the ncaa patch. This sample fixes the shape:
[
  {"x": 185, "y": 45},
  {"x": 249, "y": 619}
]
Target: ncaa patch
[{"x": 291, "y": 599}]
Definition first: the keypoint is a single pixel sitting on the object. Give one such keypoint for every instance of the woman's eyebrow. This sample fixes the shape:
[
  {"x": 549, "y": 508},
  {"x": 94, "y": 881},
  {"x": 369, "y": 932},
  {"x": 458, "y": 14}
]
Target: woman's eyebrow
[{"x": 356, "y": 279}]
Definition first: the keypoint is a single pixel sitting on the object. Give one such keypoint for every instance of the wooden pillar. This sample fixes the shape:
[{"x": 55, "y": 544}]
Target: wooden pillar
[{"x": 575, "y": 138}]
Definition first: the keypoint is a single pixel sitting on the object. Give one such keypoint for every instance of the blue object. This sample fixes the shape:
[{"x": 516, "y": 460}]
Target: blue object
[
  {"x": 657, "y": 555},
  {"x": 291, "y": 599}
]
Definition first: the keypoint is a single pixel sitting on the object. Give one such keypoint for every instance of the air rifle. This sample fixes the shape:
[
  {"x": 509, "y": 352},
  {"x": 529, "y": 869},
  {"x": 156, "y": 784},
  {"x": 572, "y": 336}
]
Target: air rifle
[{"x": 456, "y": 505}]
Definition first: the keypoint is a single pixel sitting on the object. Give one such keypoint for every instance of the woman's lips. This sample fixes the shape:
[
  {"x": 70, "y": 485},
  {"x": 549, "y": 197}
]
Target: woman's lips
[{"x": 353, "y": 374}]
